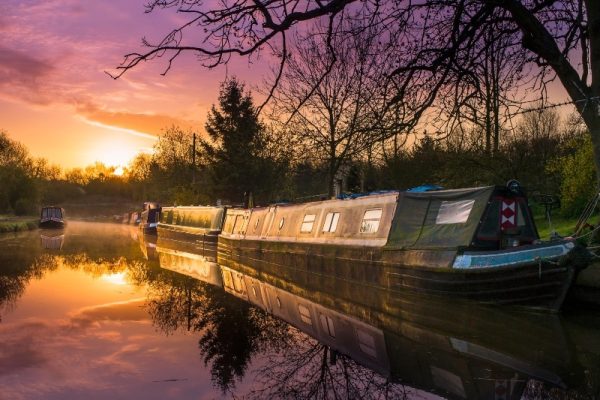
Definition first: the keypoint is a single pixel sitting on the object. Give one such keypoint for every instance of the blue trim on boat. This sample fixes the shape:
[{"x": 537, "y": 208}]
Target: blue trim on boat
[{"x": 506, "y": 258}]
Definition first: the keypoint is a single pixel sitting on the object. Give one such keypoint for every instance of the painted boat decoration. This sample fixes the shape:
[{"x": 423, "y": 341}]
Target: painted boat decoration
[
  {"x": 149, "y": 218},
  {"x": 52, "y": 217},
  {"x": 479, "y": 244},
  {"x": 199, "y": 225}
]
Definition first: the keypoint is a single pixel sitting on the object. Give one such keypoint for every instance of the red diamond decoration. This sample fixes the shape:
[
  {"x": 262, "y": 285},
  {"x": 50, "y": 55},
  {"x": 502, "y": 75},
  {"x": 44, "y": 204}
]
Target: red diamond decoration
[{"x": 508, "y": 214}]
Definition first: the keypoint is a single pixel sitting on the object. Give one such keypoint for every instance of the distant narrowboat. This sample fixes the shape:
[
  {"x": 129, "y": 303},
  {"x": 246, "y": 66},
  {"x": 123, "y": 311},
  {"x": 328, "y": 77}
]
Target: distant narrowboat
[
  {"x": 52, "y": 217},
  {"x": 200, "y": 225},
  {"x": 149, "y": 218},
  {"x": 479, "y": 244}
]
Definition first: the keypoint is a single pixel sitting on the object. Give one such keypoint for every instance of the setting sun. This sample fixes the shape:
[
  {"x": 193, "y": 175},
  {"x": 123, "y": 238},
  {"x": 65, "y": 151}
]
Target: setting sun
[{"x": 119, "y": 171}]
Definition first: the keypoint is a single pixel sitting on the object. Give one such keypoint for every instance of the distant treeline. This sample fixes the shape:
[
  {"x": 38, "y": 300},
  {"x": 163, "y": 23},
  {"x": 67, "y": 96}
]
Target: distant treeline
[{"x": 243, "y": 154}]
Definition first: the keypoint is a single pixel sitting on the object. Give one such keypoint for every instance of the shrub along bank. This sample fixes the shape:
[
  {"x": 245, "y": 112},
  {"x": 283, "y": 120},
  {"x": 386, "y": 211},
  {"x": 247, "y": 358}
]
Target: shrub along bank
[{"x": 17, "y": 224}]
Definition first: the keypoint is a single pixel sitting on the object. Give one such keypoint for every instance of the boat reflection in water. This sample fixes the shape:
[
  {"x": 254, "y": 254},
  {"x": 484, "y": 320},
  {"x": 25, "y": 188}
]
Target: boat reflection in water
[
  {"x": 457, "y": 350},
  {"x": 178, "y": 258},
  {"x": 148, "y": 246},
  {"x": 52, "y": 242}
]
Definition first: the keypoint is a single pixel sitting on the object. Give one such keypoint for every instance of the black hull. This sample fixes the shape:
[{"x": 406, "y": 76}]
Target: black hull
[
  {"x": 52, "y": 224},
  {"x": 206, "y": 242},
  {"x": 542, "y": 286}
]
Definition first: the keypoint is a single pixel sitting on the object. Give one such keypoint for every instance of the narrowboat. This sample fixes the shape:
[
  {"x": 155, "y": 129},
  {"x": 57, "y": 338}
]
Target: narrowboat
[
  {"x": 478, "y": 244},
  {"x": 149, "y": 218},
  {"x": 196, "y": 225},
  {"x": 52, "y": 217}
]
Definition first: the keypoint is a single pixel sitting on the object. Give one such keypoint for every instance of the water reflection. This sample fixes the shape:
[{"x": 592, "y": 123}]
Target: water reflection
[
  {"x": 230, "y": 331},
  {"x": 142, "y": 314},
  {"x": 354, "y": 342},
  {"x": 52, "y": 242}
]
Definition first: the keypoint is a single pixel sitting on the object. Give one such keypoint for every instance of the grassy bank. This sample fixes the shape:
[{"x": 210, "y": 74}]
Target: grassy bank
[
  {"x": 564, "y": 226},
  {"x": 16, "y": 224}
]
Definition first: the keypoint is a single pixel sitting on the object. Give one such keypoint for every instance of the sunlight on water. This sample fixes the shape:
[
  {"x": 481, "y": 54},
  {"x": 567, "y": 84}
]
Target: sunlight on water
[{"x": 116, "y": 278}]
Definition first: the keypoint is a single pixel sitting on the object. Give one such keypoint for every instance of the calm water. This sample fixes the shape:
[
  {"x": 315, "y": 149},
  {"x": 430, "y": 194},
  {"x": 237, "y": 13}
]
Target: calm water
[{"x": 94, "y": 312}]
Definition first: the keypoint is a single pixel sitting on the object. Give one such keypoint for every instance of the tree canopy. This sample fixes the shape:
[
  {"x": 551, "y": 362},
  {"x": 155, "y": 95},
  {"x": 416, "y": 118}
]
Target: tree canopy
[{"x": 435, "y": 48}]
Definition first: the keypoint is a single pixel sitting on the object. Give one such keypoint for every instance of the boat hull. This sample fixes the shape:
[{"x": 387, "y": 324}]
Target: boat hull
[
  {"x": 542, "y": 285},
  {"x": 52, "y": 224},
  {"x": 202, "y": 239}
]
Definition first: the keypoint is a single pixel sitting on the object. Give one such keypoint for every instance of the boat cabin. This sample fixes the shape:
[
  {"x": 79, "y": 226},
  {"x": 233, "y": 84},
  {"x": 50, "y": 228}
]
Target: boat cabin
[
  {"x": 486, "y": 218},
  {"x": 207, "y": 219},
  {"x": 52, "y": 217}
]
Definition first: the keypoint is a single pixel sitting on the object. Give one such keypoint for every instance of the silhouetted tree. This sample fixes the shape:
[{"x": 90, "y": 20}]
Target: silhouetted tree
[
  {"x": 335, "y": 117},
  {"x": 429, "y": 44},
  {"x": 234, "y": 153}
]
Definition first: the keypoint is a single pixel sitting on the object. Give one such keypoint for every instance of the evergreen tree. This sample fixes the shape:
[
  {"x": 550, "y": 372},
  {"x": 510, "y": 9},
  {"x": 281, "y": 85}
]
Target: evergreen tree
[{"x": 236, "y": 142}]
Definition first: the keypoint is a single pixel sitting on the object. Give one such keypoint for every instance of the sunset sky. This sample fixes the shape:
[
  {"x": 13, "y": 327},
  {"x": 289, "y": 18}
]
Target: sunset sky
[
  {"x": 56, "y": 99},
  {"x": 55, "y": 95}
]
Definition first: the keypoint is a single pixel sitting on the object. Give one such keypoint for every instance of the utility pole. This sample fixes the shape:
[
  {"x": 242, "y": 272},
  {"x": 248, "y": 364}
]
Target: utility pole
[{"x": 194, "y": 159}]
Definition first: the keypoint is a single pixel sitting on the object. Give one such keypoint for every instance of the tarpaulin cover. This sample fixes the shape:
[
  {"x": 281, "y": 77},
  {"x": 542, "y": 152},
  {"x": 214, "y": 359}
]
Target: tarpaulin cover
[{"x": 445, "y": 219}]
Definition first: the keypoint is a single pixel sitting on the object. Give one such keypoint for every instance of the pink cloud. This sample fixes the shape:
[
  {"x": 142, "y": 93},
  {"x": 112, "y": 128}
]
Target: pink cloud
[{"x": 23, "y": 75}]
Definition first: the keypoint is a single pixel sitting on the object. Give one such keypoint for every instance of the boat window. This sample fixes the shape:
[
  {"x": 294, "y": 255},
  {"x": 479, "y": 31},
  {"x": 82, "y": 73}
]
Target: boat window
[
  {"x": 281, "y": 222},
  {"x": 256, "y": 224},
  {"x": 307, "y": 223},
  {"x": 304, "y": 314},
  {"x": 366, "y": 342},
  {"x": 331, "y": 221},
  {"x": 454, "y": 212},
  {"x": 229, "y": 223},
  {"x": 370, "y": 221},
  {"x": 327, "y": 324}
]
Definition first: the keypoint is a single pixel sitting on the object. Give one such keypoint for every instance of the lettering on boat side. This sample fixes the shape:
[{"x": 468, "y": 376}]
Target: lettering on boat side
[
  {"x": 454, "y": 212},
  {"x": 465, "y": 261}
]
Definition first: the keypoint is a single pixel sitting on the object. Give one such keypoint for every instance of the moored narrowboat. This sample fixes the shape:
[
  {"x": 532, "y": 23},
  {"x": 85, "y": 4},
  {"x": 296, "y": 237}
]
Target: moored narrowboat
[
  {"x": 197, "y": 225},
  {"x": 479, "y": 244},
  {"x": 52, "y": 217}
]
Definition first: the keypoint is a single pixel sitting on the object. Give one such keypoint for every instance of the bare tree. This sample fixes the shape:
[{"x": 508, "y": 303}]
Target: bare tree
[
  {"x": 332, "y": 116},
  {"x": 309, "y": 369},
  {"x": 429, "y": 41}
]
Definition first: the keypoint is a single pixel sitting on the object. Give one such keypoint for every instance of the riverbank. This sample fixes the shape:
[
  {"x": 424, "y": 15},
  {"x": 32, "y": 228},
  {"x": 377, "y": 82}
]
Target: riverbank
[{"x": 17, "y": 224}]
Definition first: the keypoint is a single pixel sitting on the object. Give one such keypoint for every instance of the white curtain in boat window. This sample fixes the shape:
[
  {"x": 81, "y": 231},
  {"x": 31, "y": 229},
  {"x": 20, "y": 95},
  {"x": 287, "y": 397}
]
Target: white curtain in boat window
[
  {"x": 307, "y": 223},
  {"x": 454, "y": 212},
  {"x": 331, "y": 222},
  {"x": 370, "y": 222}
]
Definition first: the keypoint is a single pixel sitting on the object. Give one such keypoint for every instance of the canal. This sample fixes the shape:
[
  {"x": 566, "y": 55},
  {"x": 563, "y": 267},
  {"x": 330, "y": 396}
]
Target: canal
[{"x": 97, "y": 312}]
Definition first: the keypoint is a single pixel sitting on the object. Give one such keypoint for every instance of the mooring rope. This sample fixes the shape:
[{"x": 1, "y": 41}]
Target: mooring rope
[{"x": 586, "y": 214}]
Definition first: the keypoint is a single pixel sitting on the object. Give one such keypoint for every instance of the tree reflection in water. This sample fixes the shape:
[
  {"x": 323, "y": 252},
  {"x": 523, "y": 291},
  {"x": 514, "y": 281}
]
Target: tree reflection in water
[
  {"x": 288, "y": 363},
  {"x": 13, "y": 281},
  {"x": 18, "y": 272},
  {"x": 231, "y": 331},
  {"x": 310, "y": 370}
]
